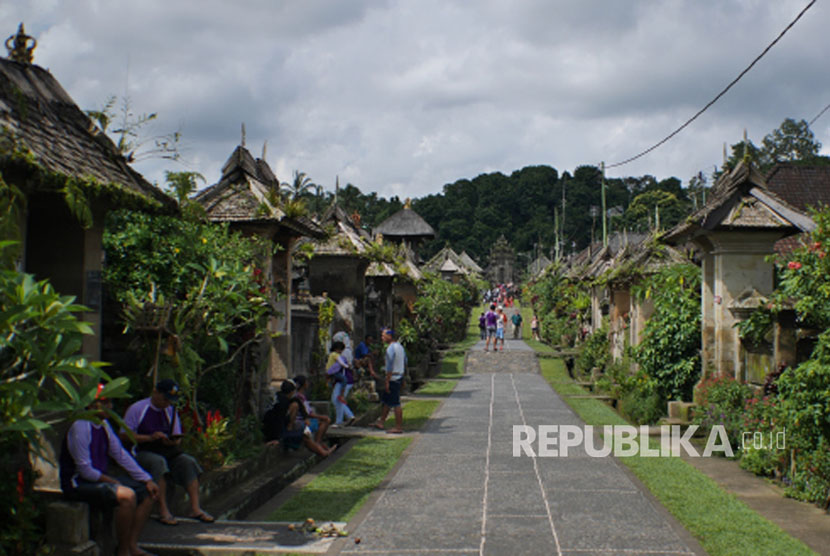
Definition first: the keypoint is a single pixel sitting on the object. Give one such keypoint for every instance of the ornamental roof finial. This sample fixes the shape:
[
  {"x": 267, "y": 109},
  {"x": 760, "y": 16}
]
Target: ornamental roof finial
[{"x": 18, "y": 46}]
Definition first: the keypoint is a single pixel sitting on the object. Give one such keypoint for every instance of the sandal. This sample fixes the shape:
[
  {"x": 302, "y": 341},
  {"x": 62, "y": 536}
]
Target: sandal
[
  {"x": 378, "y": 426},
  {"x": 394, "y": 431},
  {"x": 204, "y": 517},
  {"x": 170, "y": 521}
]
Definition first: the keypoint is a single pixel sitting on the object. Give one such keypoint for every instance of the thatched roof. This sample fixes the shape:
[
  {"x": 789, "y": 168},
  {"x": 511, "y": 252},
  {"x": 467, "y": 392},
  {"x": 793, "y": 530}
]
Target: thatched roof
[
  {"x": 438, "y": 263},
  {"x": 406, "y": 223},
  {"x": 246, "y": 194},
  {"x": 470, "y": 263},
  {"x": 741, "y": 201},
  {"x": 38, "y": 115}
]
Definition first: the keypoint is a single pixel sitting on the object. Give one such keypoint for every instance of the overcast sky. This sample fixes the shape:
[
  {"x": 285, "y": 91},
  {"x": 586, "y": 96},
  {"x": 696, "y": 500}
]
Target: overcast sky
[{"x": 402, "y": 97}]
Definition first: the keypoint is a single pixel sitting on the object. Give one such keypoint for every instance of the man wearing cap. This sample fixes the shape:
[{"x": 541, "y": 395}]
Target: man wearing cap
[
  {"x": 158, "y": 435},
  {"x": 84, "y": 460},
  {"x": 395, "y": 369}
]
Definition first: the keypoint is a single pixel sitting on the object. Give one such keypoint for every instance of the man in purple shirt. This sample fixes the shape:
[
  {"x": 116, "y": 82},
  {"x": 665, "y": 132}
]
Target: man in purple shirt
[
  {"x": 84, "y": 461},
  {"x": 158, "y": 436}
]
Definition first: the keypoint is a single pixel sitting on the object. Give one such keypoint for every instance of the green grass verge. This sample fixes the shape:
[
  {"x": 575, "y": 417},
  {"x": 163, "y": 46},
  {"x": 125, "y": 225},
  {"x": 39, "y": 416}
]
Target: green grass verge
[
  {"x": 452, "y": 367},
  {"x": 339, "y": 492},
  {"x": 437, "y": 388},
  {"x": 721, "y": 523},
  {"x": 415, "y": 414}
]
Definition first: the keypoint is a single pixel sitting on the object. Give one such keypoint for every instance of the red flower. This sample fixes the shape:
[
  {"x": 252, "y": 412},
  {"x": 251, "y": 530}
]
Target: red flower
[
  {"x": 793, "y": 265},
  {"x": 21, "y": 486}
]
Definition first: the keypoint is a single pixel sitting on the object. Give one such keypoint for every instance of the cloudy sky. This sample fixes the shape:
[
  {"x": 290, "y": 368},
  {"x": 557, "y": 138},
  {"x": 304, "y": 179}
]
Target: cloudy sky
[{"x": 402, "y": 97}]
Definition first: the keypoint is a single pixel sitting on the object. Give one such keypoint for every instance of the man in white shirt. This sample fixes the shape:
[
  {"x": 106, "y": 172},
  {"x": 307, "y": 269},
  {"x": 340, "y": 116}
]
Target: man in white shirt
[{"x": 395, "y": 369}]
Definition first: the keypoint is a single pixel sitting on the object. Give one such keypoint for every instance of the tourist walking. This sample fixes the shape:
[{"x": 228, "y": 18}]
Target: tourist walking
[
  {"x": 517, "y": 325},
  {"x": 158, "y": 434},
  {"x": 342, "y": 377},
  {"x": 534, "y": 328},
  {"x": 482, "y": 327},
  {"x": 395, "y": 370},
  {"x": 490, "y": 318},
  {"x": 501, "y": 321},
  {"x": 84, "y": 467}
]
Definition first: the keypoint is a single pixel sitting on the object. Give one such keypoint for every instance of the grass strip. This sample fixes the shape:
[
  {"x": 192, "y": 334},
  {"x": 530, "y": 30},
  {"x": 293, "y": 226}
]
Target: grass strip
[
  {"x": 415, "y": 414},
  {"x": 339, "y": 492},
  {"x": 437, "y": 388},
  {"x": 452, "y": 367},
  {"x": 721, "y": 523}
]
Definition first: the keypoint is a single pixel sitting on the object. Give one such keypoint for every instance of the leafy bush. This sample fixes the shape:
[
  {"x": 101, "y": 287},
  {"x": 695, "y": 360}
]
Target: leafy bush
[
  {"x": 721, "y": 402},
  {"x": 561, "y": 305},
  {"x": 669, "y": 351},
  {"x": 642, "y": 406},
  {"x": 594, "y": 354},
  {"x": 763, "y": 417},
  {"x": 210, "y": 280}
]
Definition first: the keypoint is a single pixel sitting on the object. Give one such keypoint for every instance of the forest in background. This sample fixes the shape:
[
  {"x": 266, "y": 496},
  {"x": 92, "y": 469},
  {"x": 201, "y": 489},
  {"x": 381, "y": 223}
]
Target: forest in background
[{"x": 527, "y": 205}]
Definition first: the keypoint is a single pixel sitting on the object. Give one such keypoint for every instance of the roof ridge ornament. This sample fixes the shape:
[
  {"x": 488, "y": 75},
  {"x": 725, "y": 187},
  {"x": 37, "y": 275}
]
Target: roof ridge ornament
[{"x": 18, "y": 46}]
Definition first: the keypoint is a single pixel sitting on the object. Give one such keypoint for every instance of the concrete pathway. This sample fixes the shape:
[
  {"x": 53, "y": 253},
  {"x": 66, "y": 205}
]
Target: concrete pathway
[{"x": 461, "y": 491}]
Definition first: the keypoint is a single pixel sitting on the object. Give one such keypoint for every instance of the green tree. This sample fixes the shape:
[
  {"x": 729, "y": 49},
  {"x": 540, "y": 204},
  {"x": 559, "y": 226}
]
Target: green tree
[
  {"x": 300, "y": 184},
  {"x": 792, "y": 140}
]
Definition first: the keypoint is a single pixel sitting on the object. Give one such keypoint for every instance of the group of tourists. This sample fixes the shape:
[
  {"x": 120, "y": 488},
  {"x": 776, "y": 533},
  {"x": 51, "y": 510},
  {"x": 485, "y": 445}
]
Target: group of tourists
[
  {"x": 493, "y": 323},
  {"x": 292, "y": 422},
  {"x": 502, "y": 295},
  {"x": 149, "y": 450},
  {"x": 154, "y": 460}
]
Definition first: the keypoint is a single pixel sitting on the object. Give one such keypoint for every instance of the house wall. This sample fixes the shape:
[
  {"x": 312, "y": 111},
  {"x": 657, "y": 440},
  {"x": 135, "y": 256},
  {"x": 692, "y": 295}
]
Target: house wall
[
  {"x": 619, "y": 311},
  {"x": 57, "y": 248},
  {"x": 738, "y": 263}
]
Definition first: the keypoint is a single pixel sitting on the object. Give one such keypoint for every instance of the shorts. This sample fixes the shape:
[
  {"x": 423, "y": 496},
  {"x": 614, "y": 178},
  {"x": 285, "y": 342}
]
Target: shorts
[
  {"x": 183, "y": 468},
  {"x": 392, "y": 398},
  {"x": 500, "y": 334},
  {"x": 292, "y": 439},
  {"x": 104, "y": 494},
  {"x": 314, "y": 425},
  {"x": 491, "y": 331}
]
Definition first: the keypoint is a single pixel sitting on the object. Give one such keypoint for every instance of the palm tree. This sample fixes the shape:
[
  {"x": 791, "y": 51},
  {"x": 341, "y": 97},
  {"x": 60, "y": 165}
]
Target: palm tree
[{"x": 298, "y": 186}]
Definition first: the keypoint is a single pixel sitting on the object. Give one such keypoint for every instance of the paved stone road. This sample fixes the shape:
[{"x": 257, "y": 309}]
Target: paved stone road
[{"x": 461, "y": 491}]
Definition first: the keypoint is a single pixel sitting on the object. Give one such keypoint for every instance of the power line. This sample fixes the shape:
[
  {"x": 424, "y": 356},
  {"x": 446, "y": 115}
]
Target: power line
[
  {"x": 723, "y": 92},
  {"x": 818, "y": 116}
]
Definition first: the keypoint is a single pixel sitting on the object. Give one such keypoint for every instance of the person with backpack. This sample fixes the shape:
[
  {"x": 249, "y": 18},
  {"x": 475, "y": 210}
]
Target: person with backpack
[
  {"x": 482, "y": 327},
  {"x": 288, "y": 422}
]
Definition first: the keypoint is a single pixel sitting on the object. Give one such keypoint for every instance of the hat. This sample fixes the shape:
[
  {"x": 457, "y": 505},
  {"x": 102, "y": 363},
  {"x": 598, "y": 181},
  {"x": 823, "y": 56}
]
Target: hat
[{"x": 169, "y": 388}]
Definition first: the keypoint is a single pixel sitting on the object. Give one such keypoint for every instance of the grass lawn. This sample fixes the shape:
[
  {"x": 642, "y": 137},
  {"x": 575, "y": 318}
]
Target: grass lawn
[
  {"x": 415, "y": 414},
  {"x": 437, "y": 388},
  {"x": 339, "y": 492},
  {"x": 452, "y": 367},
  {"x": 721, "y": 523}
]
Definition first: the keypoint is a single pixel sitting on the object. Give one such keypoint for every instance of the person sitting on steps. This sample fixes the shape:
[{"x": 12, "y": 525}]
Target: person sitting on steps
[{"x": 158, "y": 435}]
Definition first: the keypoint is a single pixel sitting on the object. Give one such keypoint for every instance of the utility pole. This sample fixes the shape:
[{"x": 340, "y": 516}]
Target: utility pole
[
  {"x": 556, "y": 233},
  {"x": 563, "y": 210},
  {"x": 604, "y": 210}
]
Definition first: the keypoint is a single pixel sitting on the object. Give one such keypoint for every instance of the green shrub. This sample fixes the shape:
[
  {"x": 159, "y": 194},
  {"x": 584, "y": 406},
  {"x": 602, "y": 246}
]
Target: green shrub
[
  {"x": 642, "y": 406},
  {"x": 721, "y": 402},
  {"x": 669, "y": 350},
  {"x": 594, "y": 354}
]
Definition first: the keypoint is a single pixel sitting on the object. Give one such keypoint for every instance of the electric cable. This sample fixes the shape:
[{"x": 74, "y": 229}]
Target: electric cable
[{"x": 719, "y": 95}]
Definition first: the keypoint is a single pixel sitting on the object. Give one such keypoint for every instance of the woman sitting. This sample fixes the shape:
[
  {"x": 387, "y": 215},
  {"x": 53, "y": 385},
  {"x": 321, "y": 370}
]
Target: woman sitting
[{"x": 288, "y": 422}]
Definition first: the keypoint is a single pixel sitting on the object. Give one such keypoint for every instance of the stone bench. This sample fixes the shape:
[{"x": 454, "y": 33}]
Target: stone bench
[{"x": 77, "y": 528}]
